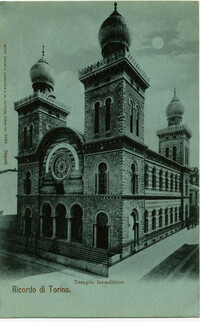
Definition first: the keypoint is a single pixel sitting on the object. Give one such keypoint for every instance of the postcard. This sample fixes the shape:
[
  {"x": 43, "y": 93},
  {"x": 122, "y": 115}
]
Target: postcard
[{"x": 99, "y": 174}]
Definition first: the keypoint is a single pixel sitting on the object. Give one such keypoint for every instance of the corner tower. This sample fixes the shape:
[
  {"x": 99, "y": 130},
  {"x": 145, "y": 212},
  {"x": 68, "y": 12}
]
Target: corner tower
[
  {"x": 114, "y": 87},
  {"x": 174, "y": 140}
]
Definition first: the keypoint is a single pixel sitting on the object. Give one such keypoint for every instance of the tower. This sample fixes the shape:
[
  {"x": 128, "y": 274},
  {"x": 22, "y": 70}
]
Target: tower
[
  {"x": 37, "y": 114},
  {"x": 174, "y": 140}
]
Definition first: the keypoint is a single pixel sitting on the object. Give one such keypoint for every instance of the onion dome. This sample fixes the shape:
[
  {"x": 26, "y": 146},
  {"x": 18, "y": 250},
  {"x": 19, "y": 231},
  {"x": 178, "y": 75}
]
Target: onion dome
[
  {"x": 174, "y": 111},
  {"x": 114, "y": 34},
  {"x": 41, "y": 75}
]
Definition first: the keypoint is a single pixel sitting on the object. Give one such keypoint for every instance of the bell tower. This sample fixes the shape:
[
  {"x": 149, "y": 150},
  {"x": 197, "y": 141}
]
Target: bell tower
[
  {"x": 174, "y": 140},
  {"x": 114, "y": 87},
  {"x": 40, "y": 112}
]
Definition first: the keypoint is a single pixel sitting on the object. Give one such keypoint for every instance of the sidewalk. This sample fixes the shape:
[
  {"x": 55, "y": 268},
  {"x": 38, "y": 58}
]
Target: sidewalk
[{"x": 138, "y": 265}]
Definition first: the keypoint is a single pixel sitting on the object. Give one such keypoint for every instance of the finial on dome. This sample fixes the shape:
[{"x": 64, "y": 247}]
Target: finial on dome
[
  {"x": 174, "y": 91},
  {"x": 115, "y": 6},
  {"x": 42, "y": 50}
]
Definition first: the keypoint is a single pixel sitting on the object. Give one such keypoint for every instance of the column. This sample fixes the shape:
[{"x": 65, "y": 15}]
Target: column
[
  {"x": 23, "y": 225},
  {"x": 69, "y": 229},
  {"x": 41, "y": 226},
  {"x": 109, "y": 237},
  {"x": 54, "y": 227},
  {"x": 95, "y": 235}
]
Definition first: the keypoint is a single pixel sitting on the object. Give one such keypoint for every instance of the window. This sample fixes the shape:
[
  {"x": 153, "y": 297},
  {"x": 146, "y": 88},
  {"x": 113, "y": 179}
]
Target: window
[
  {"x": 174, "y": 153},
  {"x": 146, "y": 176},
  {"x": 154, "y": 220},
  {"x": 134, "y": 178},
  {"x": 180, "y": 214},
  {"x": 25, "y": 137},
  {"x": 102, "y": 178},
  {"x": 186, "y": 211},
  {"x": 154, "y": 178},
  {"x": 179, "y": 183},
  {"x": 186, "y": 155},
  {"x": 107, "y": 114},
  {"x": 160, "y": 218},
  {"x": 166, "y": 216},
  {"x": 96, "y": 117},
  {"x": 47, "y": 228},
  {"x": 176, "y": 183},
  {"x": 172, "y": 182},
  {"x": 160, "y": 180},
  {"x": 186, "y": 187},
  {"x": 31, "y": 136},
  {"x": 167, "y": 152},
  {"x": 27, "y": 184},
  {"x": 146, "y": 228},
  {"x": 131, "y": 115},
  {"x": 171, "y": 216},
  {"x": 166, "y": 181},
  {"x": 137, "y": 121},
  {"x": 176, "y": 215}
]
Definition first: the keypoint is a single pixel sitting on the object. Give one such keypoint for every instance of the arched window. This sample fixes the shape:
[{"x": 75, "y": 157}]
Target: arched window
[
  {"x": 176, "y": 215},
  {"x": 186, "y": 212},
  {"x": 161, "y": 180},
  {"x": 172, "y": 182},
  {"x": 134, "y": 179},
  {"x": 146, "y": 176},
  {"x": 27, "y": 228},
  {"x": 96, "y": 117},
  {"x": 25, "y": 137},
  {"x": 27, "y": 183},
  {"x": 102, "y": 178},
  {"x": 137, "y": 121},
  {"x": 186, "y": 155},
  {"x": 167, "y": 152},
  {"x": 180, "y": 214},
  {"x": 174, "y": 153},
  {"x": 186, "y": 187},
  {"x": 47, "y": 228},
  {"x": 146, "y": 222},
  {"x": 171, "y": 216},
  {"x": 154, "y": 178},
  {"x": 166, "y": 217},
  {"x": 31, "y": 136},
  {"x": 166, "y": 181},
  {"x": 153, "y": 219},
  {"x": 107, "y": 114},
  {"x": 179, "y": 183},
  {"x": 131, "y": 115},
  {"x": 176, "y": 183},
  {"x": 160, "y": 218},
  {"x": 61, "y": 221}
]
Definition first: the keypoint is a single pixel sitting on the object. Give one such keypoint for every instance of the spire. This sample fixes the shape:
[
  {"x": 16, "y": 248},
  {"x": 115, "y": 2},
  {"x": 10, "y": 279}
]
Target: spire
[
  {"x": 115, "y": 6},
  {"x": 174, "y": 91}
]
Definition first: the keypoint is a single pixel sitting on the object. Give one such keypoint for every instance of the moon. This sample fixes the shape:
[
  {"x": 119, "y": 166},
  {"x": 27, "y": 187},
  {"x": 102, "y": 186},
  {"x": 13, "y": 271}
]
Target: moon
[{"x": 157, "y": 42}]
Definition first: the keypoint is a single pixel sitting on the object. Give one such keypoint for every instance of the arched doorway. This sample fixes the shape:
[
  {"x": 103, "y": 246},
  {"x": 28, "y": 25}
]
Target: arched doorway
[
  {"x": 134, "y": 228},
  {"x": 61, "y": 221},
  {"x": 47, "y": 228},
  {"x": 76, "y": 223},
  {"x": 27, "y": 222},
  {"x": 102, "y": 231}
]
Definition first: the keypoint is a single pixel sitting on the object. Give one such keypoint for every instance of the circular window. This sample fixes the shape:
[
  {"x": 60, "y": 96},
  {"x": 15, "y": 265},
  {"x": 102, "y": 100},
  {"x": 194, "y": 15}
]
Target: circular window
[{"x": 61, "y": 166}]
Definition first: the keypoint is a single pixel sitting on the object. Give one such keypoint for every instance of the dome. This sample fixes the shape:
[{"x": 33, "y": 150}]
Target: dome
[
  {"x": 174, "y": 110},
  {"x": 41, "y": 75},
  {"x": 114, "y": 33}
]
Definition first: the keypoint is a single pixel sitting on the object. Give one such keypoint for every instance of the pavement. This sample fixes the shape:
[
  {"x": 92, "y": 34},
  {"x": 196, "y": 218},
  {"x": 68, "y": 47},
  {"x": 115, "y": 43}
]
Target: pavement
[{"x": 123, "y": 294}]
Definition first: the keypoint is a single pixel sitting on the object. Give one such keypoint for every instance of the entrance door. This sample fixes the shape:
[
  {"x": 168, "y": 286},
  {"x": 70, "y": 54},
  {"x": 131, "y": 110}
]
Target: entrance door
[
  {"x": 77, "y": 224},
  {"x": 102, "y": 231}
]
